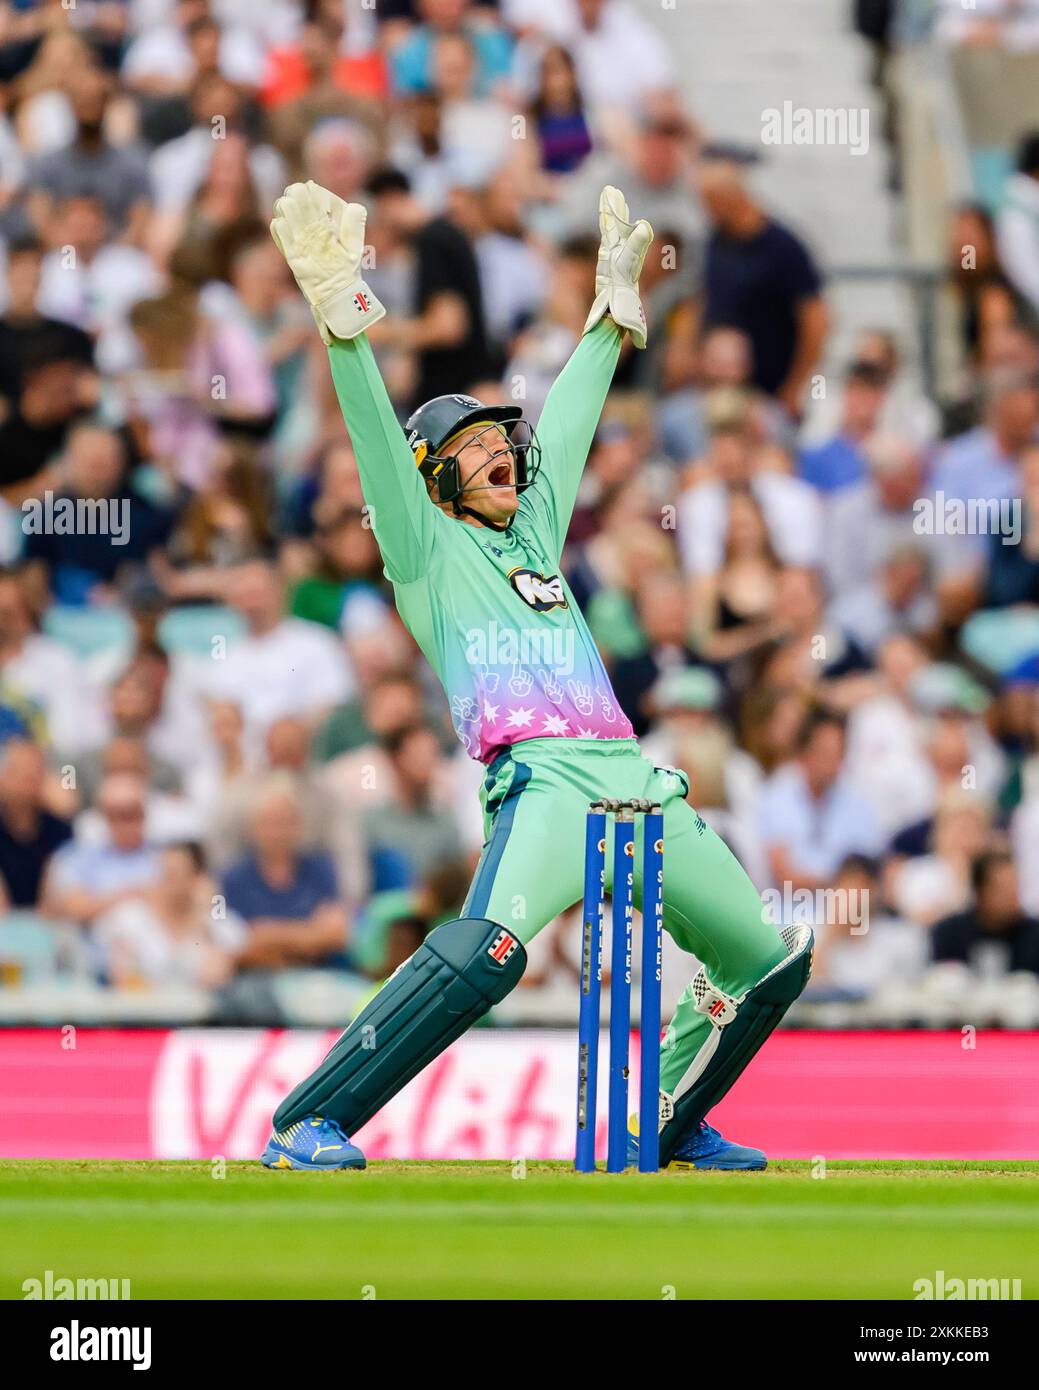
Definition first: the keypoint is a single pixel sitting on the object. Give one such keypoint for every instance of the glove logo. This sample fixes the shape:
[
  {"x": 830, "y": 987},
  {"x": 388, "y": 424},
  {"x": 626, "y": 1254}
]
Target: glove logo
[
  {"x": 536, "y": 591},
  {"x": 362, "y": 302}
]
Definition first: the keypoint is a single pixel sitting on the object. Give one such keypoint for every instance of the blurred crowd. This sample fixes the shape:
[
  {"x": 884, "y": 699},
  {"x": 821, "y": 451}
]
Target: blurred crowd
[{"x": 222, "y": 758}]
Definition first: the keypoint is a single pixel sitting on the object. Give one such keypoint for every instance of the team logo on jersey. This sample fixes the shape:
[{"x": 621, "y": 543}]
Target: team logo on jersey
[{"x": 539, "y": 593}]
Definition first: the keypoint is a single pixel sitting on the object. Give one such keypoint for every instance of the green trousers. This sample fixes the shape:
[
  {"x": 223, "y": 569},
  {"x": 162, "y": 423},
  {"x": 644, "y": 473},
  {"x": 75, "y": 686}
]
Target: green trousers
[{"x": 535, "y": 798}]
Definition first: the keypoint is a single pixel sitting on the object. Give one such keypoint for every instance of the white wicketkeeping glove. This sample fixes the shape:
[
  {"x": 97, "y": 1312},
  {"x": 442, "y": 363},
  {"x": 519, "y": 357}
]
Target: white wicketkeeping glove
[
  {"x": 621, "y": 253},
  {"x": 322, "y": 238}
]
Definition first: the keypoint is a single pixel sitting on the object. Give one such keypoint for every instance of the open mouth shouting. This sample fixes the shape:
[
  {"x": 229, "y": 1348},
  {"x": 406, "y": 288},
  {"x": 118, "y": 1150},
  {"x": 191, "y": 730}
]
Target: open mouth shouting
[{"x": 500, "y": 474}]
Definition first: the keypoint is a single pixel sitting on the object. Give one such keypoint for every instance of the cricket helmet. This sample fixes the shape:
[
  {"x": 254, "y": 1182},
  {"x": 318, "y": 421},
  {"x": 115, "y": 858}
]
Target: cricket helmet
[{"x": 434, "y": 425}]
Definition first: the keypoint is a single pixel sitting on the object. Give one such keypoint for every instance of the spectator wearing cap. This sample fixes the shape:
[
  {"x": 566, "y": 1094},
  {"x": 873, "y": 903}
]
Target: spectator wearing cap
[
  {"x": 86, "y": 878},
  {"x": 995, "y": 936},
  {"x": 665, "y": 620},
  {"x": 810, "y": 815},
  {"x": 282, "y": 666},
  {"x": 412, "y": 61},
  {"x": 1017, "y": 224},
  {"x": 29, "y": 831},
  {"x": 840, "y": 462},
  {"x": 758, "y": 277},
  {"x": 288, "y": 898},
  {"x": 91, "y": 166}
]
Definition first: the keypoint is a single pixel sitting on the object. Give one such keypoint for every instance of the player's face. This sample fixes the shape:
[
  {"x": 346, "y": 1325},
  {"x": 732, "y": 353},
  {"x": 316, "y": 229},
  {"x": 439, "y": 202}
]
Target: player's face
[{"x": 487, "y": 471}]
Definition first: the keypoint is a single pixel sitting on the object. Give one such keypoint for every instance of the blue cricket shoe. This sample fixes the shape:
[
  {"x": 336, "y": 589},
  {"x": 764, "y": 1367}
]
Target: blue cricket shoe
[
  {"x": 313, "y": 1143},
  {"x": 706, "y": 1149}
]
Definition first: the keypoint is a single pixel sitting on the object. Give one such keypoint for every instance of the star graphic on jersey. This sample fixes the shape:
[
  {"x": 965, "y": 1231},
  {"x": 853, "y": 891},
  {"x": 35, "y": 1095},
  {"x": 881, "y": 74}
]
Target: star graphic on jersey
[
  {"x": 587, "y": 733},
  {"x": 520, "y": 718},
  {"x": 555, "y": 724},
  {"x": 490, "y": 711}
]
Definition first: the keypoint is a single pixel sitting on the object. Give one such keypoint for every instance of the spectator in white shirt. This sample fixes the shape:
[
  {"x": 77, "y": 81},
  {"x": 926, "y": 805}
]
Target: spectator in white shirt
[
  {"x": 93, "y": 282},
  {"x": 622, "y": 61},
  {"x": 178, "y": 168},
  {"x": 283, "y": 666},
  {"x": 170, "y": 935}
]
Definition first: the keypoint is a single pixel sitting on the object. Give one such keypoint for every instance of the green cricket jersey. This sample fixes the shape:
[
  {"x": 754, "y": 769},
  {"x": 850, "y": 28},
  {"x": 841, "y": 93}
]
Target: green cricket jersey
[{"x": 489, "y": 609}]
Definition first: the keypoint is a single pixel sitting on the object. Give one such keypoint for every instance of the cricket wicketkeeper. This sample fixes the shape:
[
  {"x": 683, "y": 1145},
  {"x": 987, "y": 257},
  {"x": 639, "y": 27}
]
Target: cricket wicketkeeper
[{"x": 470, "y": 511}]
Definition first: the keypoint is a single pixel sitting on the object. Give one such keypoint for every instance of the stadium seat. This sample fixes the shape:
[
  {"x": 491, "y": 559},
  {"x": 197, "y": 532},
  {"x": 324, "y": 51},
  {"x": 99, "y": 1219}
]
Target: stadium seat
[
  {"x": 28, "y": 948},
  {"x": 88, "y": 631},
  {"x": 191, "y": 630},
  {"x": 1001, "y": 638}
]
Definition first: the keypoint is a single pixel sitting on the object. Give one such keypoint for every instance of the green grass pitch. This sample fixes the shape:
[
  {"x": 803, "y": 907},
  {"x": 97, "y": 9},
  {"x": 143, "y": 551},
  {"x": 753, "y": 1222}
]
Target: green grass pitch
[{"x": 495, "y": 1230}]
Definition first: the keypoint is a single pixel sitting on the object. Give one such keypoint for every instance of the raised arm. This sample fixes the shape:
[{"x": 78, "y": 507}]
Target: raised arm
[
  {"x": 322, "y": 239},
  {"x": 567, "y": 427},
  {"x": 403, "y": 519},
  {"x": 571, "y": 411}
]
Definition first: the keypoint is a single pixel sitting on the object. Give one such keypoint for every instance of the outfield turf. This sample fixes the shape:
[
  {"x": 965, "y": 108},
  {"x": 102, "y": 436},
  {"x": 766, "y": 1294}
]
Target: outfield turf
[{"x": 461, "y": 1230}]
